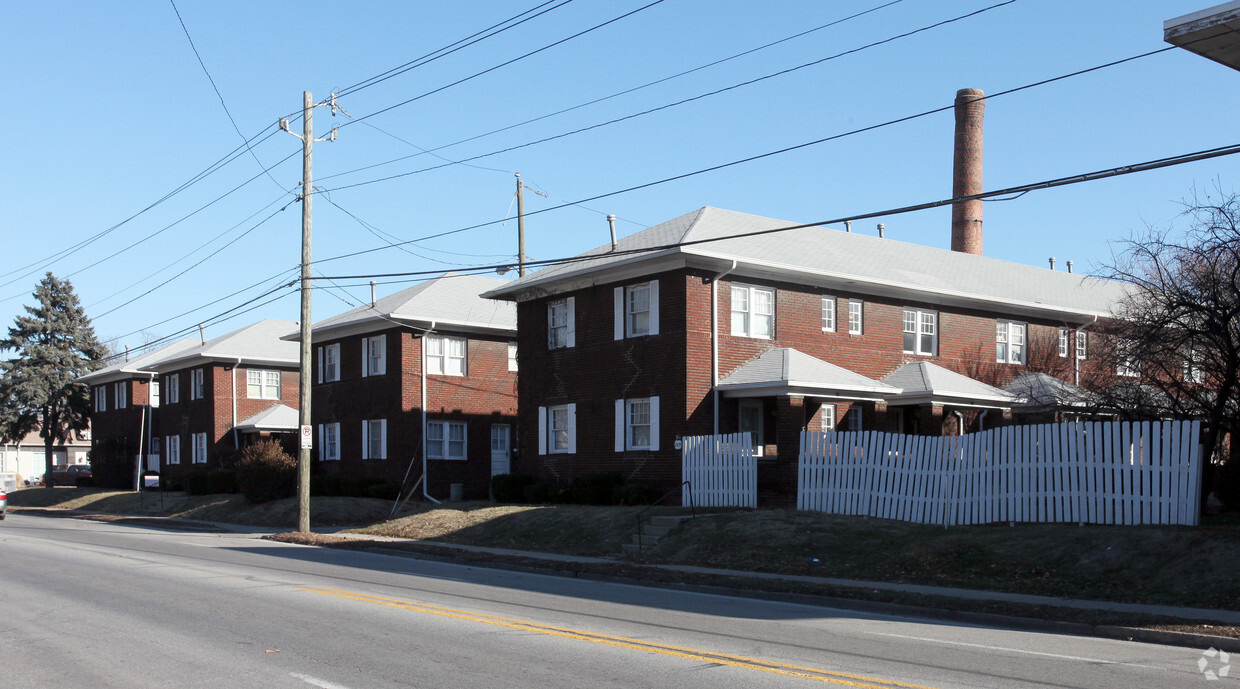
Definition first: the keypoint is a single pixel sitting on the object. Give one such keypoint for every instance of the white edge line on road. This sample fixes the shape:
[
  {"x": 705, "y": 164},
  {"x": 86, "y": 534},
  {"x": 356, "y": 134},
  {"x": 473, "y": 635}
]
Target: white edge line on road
[
  {"x": 1019, "y": 650},
  {"x": 315, "y": 681}
]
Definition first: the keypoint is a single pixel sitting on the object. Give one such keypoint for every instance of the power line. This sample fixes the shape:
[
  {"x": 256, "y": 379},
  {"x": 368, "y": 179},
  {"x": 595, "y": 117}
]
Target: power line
[
  {"x": 761, "y": 156},
  {"x": 452, "y": 48},
  {"x": 1017, "y": 190},
  {"x": 668, "y": 106},
  {"x": 618, "y": 93}
]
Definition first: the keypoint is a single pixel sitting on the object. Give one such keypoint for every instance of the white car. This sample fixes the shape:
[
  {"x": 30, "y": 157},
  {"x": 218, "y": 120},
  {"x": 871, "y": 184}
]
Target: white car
[{"x": 4, "y": 502}]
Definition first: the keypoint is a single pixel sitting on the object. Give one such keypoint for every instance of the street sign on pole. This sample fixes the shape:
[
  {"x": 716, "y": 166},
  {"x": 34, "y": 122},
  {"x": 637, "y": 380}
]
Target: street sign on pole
[{"x": 307, "y": 438}]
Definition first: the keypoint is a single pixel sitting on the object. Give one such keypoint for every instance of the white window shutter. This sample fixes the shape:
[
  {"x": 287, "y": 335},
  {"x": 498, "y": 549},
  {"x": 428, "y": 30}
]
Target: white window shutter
[
  {"x": 620, "y": 425},
  {"x": 542, "y": 430},
  {"x": 383, "y": 430},
  {"x": 619, "y": 308},
  {"x": 572, "y": 428},
  {"x": 365, "y": 354},
  {"x": 654, "y": 307},
  {"x": 382, "y": 340},
  {"x": 572, "y": 321},
  {"x": 365, "y": 440},
  {"x": 654, "y": 423},
  {"x": 321, "y": 443},
  {"x": 320, "y": 364}
]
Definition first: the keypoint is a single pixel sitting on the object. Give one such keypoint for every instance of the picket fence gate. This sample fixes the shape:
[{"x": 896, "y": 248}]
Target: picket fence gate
[
  {"x": 721, "y": 470},
  {"x": 1097, "y": 473}
]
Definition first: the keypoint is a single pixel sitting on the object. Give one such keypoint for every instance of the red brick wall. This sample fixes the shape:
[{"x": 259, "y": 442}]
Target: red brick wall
[
  {"x": 486, "y": 395},
  {"x": 116, "y": 433}
]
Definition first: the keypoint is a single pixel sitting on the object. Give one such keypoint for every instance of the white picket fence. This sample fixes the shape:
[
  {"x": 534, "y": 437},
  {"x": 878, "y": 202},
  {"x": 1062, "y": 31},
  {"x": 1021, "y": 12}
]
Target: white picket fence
[
  {"x": 1097, "y": 473},
  {"x": 721, "y": 470}
]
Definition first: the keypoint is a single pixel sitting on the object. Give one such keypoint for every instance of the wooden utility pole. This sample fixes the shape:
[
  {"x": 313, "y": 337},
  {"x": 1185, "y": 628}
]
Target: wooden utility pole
[
  {"x": 304, "y": 380},
  {"x": 520, "y": 227}
]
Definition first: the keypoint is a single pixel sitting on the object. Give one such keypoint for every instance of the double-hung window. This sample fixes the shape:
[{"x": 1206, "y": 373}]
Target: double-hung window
[
  {"x": 1126, "y": 363},
  {"x": 1081, "y": 344},
  {"x": 445, "y": 355},
  {"x": 637, "y": 310},
  {"x": 512, "y": 356},
  {"x": 374, "y": 439},
  {"x": 753, "y": 311},
  {"x": 557, "y": 429},
  {"x": 561, "y": 329},
  {"x": 1009, "y": 342},
  {"x": 329, "y": 363},
  {"x": 828, "y": 418},
  {"x": 637, "y": 424},
  {"x": 329, "y": 441},
  {"x": 154, "y": 393},
  {"x": 122, "y": 394},
  {"x": 856, "y": 309},
  {"x": 172, "y": 388},
  {"x": 262, "y": 385},
  {"x": 921, "y": 335},
  {"x": 374, "y": 356},
  {"x": 199, "y": 450},
  {"x": 172, "y": 449},
  {"x": 445, "y": 439},
  {"x": 196, "y": 384},
  {"x": 828, "y": 314},
  {"x": 1194, "y": 366},
  {"x": 1063, "y": 342},
  {"x": 99, "y": 394}
]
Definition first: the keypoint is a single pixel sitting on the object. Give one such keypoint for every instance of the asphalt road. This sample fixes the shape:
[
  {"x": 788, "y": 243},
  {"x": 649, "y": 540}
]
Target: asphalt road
[{"x": 88, "y": 604}]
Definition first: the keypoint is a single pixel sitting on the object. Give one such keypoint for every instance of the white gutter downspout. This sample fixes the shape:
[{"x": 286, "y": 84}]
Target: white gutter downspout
[
  {"x": 144, "y": 431},
  {"x": 425, "y": 480},
  {"x": 714, "y": 343},
  {"x": 236, "y": 441},
  {"x": 960, "y": 422},
  {"x": 981, "y": 420},
  {"x": 1076, "y": 360}
]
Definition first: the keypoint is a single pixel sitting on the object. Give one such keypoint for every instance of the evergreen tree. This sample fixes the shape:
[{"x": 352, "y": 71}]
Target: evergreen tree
[{"x": 55, "y": 343}]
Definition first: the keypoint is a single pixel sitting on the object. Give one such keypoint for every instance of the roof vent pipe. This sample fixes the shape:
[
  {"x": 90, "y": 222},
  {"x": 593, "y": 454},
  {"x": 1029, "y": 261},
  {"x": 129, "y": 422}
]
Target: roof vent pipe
[
  {"x": 611, "y": 222},
  {"x": 1052, "y": 262},
  {"x": 126, "y": 352},
  {"x": 372, "y": 294},
  {"x": 848, "y": 226},
  {"x": 1069, "y": 266},
  {"x": 881, "y": 227},
  {"x": 202, "y": 335}
]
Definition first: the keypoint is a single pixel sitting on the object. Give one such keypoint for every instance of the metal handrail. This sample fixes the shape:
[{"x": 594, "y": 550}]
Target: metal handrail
[{"x": 692, "y": 509}]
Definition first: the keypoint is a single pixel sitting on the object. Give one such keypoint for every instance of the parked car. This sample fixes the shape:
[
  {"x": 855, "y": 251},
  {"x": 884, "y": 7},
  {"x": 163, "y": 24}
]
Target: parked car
[
  {"x": 69, "y": 475},
  {"x": 4, "y": 502}
]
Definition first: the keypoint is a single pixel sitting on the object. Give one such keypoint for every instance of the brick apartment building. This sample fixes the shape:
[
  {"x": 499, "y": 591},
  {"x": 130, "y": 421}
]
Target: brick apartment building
[
  {"x": 717, "y": 322},
  {"x": 124, "y": 397},
  {"x": 224, "y": 393},
  {"x": 421, "y": 383}
]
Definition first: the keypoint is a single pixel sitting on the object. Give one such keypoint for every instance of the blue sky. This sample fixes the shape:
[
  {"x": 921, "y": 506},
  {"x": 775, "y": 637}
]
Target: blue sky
[{"x": 109, "y": 111}]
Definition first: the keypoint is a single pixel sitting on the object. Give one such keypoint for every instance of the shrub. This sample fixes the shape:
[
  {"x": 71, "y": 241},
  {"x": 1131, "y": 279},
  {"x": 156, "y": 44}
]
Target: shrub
[
  {"x": 358, "y": 486},
  {"x": 385, "y": 491},
  {"x": 195, "y": 481},
  {"x": 543, "y": 493},
  {"x": 84, "y": 482},
  {"x": 510, "y": 488},
  {"x": 595, "y": 489},
  {"x": 1227, "y": 484},
  {"x": 222, "y": 481},
  {"x": 266, "y": 472},
  {"x": 636, "y": 494},
  {"x": 325, "y": 485}
]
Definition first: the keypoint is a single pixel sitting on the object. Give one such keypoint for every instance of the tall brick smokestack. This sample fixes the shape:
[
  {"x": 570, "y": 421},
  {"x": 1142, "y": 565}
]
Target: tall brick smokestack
[{"x": 967, "y": 172}]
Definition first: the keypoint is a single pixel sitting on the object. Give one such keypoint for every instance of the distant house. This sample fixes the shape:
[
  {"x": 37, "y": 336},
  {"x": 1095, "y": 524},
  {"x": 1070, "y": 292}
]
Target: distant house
[
  {"x": 28, "y": 457},
  {"x": 716, "y": 321},
  {"x": 220, "y": 395},
  {"x": 421, "y": 383},
  {"x": 123, "y": 398}
]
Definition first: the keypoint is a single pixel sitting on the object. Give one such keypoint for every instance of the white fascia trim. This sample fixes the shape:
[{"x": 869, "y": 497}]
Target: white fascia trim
[
  {"x": 638, "y": 266},
  {"x": 949, "y": 399},
  {"x": 794, "y": 274},
  {"x": 848, "y": 392}
]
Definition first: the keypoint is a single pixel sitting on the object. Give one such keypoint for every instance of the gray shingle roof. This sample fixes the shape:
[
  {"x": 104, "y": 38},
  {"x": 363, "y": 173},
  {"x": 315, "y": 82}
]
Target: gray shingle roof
[
  {"x": 826, "y": 257},
  {"x": 132, "y": 367},
  {"x": 1038, "y": 391},
  {"x": 278, "y": 417},
  {"x": 451, "y": 301},
  {"x": 922, "y": 381},
  {"x": 259, "y": 343},
  {"x": 784, "y": 370}
]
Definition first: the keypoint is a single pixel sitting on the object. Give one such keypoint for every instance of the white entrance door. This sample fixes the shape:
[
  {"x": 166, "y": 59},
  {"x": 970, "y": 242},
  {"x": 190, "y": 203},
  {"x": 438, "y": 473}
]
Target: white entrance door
[{"x": 500, "y": 445}]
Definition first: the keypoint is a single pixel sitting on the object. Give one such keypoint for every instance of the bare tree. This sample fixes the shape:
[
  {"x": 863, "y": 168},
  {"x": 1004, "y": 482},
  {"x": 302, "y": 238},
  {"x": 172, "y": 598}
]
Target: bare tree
[{"x": 1176, "y": 345}]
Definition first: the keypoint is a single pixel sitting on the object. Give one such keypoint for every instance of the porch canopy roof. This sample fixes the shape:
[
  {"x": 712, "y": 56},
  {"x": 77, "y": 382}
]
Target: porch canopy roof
[
  {"x": 786, "y": 371},
  {"x": 1044, "y": 392},
  {"x": 274, "y": 419},
  {"x": 922, "y": 382}
]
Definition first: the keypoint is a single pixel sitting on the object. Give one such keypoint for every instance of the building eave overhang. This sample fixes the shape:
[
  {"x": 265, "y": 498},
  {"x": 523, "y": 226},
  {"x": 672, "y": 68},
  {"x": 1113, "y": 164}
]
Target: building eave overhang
[
  {"x": 200, "y": 360},
  {"x": 391, "y": 321},
  {"x": 803, "y": 389},
  {"x": 950, "y": 400}
]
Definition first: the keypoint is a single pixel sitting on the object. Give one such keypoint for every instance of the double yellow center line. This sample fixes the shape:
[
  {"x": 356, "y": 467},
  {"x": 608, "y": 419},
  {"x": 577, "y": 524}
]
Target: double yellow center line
[{"x": 828, "y": 676}]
